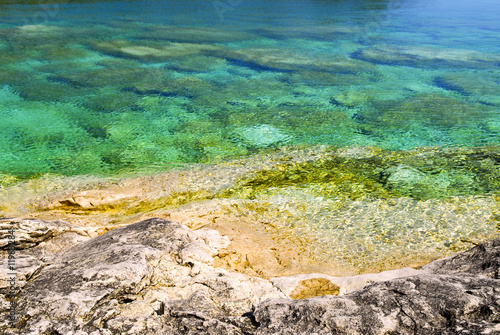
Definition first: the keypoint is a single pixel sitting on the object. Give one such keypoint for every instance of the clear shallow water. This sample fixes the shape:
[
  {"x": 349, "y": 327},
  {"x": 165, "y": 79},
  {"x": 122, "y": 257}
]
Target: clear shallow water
[
  {"x": 107, "y": 88},
  {"x": 94, "y": 87}
]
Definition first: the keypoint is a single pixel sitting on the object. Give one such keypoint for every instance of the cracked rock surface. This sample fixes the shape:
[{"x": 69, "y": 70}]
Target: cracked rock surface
[
  {"x": 150, "y": 277},
  {"x": 456, "y": 295},
  {"x": 158, "y": 277}
]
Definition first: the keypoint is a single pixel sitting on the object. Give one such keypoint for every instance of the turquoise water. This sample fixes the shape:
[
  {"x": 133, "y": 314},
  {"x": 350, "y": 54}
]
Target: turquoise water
[
  {"x": 101, "y": 87},
  {"x": 369, "y": 129}
]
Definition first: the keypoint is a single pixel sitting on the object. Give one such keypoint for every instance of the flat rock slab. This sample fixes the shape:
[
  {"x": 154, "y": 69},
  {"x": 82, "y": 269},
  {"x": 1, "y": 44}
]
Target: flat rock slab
[
  {"x": 152, "y": 52},
  {"x": 426, "y": 56}
]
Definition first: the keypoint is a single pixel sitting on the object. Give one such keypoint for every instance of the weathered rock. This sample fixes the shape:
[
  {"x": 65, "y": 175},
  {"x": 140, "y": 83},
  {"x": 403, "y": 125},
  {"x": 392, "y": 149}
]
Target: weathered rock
[
  {"x": 156, "y": 276},
  {"x": 451, "y": 296},
  {"x": 36, "y": 242},
  {"x": 423, "y": 304},
  {"x": 32, "y": 232},
  {"x": 128, "y": 274},
  {"x": 24, "y": 267},
  {"x": 482, "y": 260}
]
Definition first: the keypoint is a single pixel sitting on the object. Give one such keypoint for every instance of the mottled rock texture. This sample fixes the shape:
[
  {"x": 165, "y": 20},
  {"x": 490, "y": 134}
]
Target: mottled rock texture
[
  {"x": 151, "y": 277},
  {"x": 157, "y": 277},
  {"x": 457, "y": 295}
]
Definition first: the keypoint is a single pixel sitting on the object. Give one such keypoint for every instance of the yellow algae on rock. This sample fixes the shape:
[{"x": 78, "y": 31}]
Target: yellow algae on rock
[{"x": 314, "y": 287}]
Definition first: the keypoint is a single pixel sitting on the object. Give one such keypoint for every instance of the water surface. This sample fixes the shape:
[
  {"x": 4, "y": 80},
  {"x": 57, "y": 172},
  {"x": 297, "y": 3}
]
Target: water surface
[{"x": 398, "y": 102}]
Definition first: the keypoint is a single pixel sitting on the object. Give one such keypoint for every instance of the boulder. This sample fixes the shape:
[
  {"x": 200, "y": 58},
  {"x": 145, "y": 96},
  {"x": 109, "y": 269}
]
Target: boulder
[{"x": 482, "y": 260}]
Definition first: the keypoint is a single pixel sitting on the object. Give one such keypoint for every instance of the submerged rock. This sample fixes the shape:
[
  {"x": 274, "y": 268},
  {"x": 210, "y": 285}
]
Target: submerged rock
[
  {"x": 261, "y": 136},
  {"x": 480, "y": 86},
  {"x": 283, "y": 60},
  {"x": 155, "y": 81},
  {"x": 323, "y": 32},
  {"x": 195, "y": 34},
  {"x": 426, "y": 56},
  {"x": 152, "y": 52}
]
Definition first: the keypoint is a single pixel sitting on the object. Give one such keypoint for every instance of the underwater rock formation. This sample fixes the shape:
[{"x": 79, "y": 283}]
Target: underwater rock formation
[
  {"x": 322, "y": 32},
  {"x": 157, "y": 276},
  {"x": 283, "y": 60},
  {"x": 195, "y": 34},
  {"x": 482, "y": 87},
  {"x": 426, "y": 56}
]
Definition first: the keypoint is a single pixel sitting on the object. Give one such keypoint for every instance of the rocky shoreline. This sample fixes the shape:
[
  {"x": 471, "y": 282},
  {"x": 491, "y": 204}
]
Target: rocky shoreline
[
  {"x": 157, "y": 276},
  {"x": 297, "y": 241}
]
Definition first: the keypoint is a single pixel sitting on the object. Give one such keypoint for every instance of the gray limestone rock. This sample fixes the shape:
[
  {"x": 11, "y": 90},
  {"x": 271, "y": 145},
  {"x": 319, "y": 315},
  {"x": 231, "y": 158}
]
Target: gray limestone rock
[
  {"x": 157, "y": 277},
  {"x": 482, "y": 260},
  {"x": 422, "y": 304},
  {"x": 29, "y": 233},
  {"x": 139, "y": 279}
]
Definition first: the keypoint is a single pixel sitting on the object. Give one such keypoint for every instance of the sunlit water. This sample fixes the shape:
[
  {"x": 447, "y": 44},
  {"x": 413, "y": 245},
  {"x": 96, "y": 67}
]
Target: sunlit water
[{"x": 103, "y": 88}]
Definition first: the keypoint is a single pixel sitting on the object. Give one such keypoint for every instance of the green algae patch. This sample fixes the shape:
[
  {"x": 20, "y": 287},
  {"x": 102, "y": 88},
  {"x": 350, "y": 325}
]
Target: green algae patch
[
  {"x": 431, "y": 110},
  {"x": 174, "y": 200},
  {"x": 420, "y": 174},
  {"x": 134, "y": 205}
]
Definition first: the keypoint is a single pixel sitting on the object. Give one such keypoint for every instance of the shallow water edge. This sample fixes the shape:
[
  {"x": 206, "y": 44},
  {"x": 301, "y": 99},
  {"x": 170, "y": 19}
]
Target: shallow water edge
[{"x": 349, "y": 210}]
